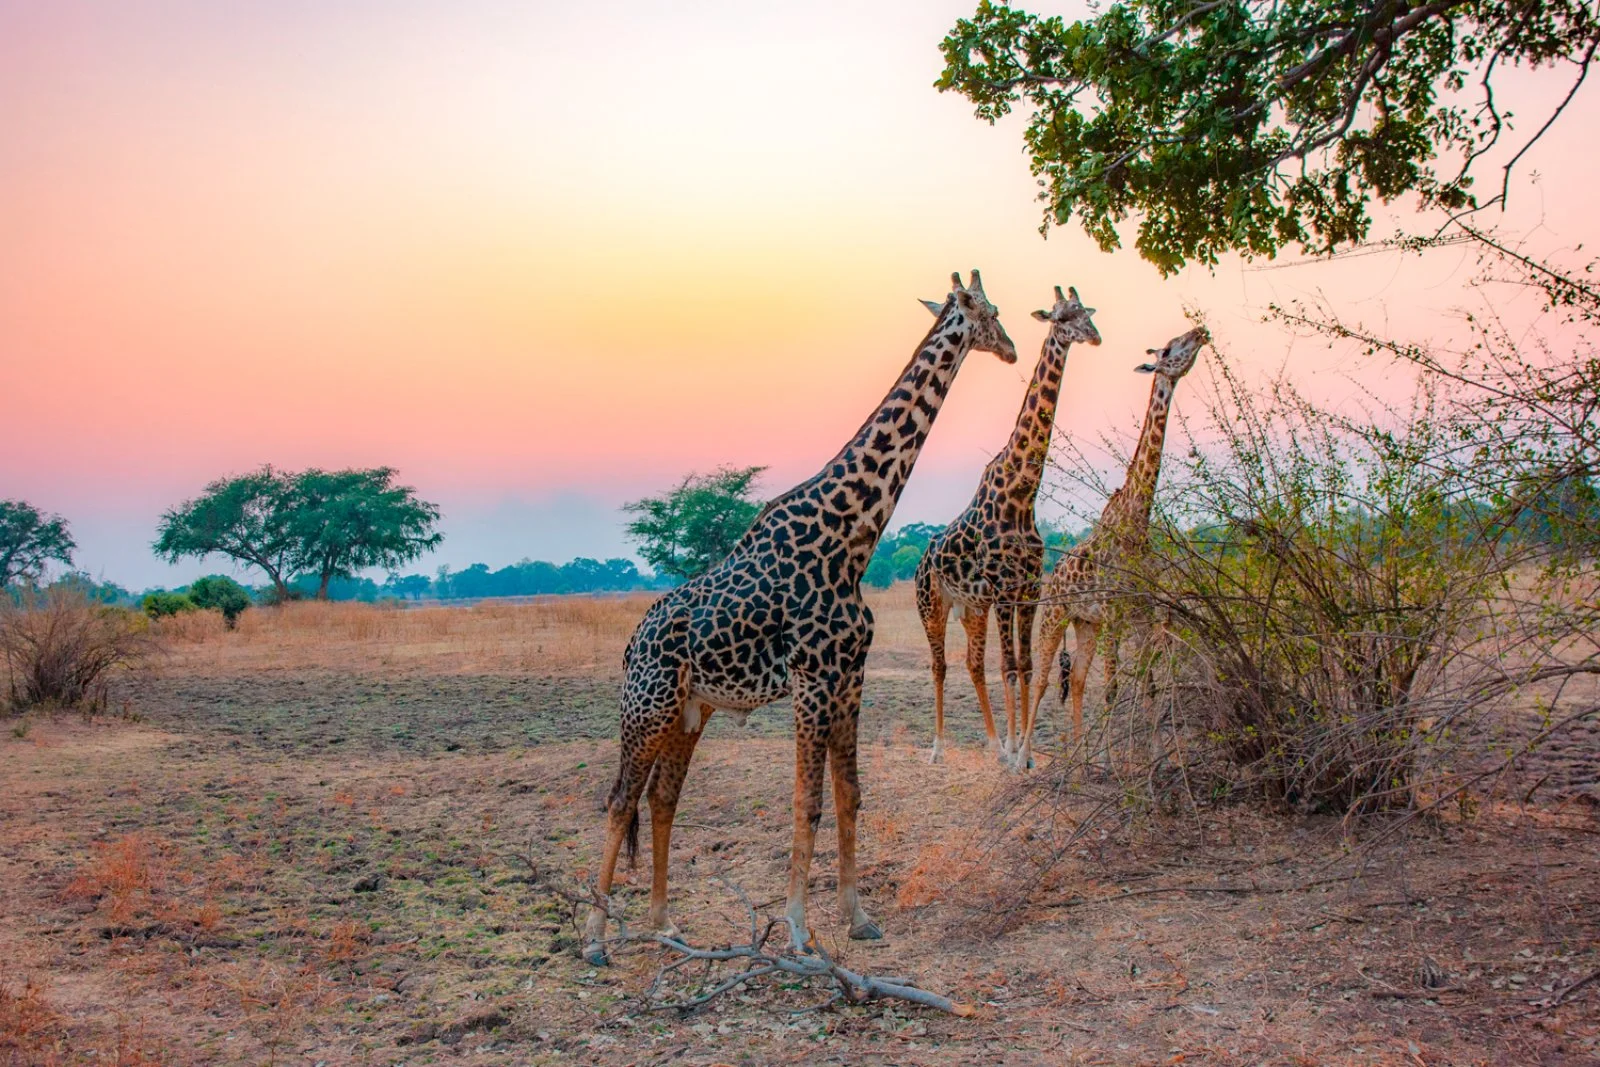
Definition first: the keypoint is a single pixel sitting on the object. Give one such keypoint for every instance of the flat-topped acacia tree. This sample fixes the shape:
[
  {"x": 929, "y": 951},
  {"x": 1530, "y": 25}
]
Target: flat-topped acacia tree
[{"x": 328, "y": 524}]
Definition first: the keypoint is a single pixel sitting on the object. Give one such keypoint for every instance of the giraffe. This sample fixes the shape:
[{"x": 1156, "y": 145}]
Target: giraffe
[
  {"x": 992, "y": 555},
  {"x": 1080, "y": 588},
  {"x": 783, "y": 615}
]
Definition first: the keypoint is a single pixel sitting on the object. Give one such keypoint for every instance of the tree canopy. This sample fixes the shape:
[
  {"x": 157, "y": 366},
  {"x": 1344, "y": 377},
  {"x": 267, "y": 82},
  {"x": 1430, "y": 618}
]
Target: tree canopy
[
  {"x": 689, "y": 529},
  {"x": 1250, "y": 125},
  {"x": 29, "y": 540},
  {"x": 325, "y": 524},
  {"x": 247, "y": 518},
  {"x": 344, "y": 521}
]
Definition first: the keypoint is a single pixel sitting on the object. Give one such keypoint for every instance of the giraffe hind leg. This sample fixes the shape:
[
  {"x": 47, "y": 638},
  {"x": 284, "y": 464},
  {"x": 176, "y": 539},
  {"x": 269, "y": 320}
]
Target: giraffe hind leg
[
  {"x": 652, "y": 709},
  {"x": 934, "y": 610}
]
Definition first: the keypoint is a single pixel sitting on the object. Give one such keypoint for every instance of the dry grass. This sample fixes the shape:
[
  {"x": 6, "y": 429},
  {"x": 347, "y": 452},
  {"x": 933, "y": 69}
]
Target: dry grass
[{"x": 557, "y": 635}]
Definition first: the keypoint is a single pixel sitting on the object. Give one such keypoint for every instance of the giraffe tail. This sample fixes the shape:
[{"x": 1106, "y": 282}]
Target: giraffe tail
[
  {"x": 1064, "y": 683},
  {"x": 619, "y": 796}
]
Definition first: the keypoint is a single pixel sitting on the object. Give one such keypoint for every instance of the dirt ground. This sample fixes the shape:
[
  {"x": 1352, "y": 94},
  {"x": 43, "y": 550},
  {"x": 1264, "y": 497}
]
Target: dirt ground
[{"x": 331, "y": 838}]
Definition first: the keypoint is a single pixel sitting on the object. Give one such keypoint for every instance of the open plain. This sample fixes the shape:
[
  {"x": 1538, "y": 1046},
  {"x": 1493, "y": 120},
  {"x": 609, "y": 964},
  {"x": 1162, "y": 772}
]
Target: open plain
[{"x": 342, "y": 834}]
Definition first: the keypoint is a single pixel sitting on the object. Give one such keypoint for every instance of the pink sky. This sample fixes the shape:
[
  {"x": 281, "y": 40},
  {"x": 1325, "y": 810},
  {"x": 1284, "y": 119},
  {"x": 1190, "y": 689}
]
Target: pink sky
[{"x": 547, "y": 258}]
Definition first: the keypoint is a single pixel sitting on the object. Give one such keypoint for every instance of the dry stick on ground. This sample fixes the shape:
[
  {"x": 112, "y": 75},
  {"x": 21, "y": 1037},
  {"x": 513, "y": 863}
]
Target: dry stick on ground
[{"x": 851, "y": 987}]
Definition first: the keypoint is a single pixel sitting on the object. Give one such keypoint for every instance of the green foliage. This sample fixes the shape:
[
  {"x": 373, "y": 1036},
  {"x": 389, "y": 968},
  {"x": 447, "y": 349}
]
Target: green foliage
[
  {"x": 409, "y": 587},
  {"x": 81, "y": 584},
  {"x": 880, "y": 574},
  {"x": 328, "y": 524},
  {"x": 29, "y": 540},
  {"x": 897, "y": 555},
  {"x": 218, "y": 592},
  {"x": 691, "y": 528},
  {"x": 161, "y": 604},
  {"x": 539, "y": 578},
  {"x": 905, "y": 560},
  {"x": 249, "y": 519},
  {"x": 1249, "y": 125},
  {"x": 345, "y": 521}
]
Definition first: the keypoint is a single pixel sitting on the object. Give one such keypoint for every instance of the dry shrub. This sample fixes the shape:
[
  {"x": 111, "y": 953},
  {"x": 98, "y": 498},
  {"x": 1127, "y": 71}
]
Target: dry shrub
[
  {"x": 62, "y": 650},
  {"x": 190, "y": 627},
  {"x": 125, "y": 876},
  {"x": 30, "y": 1029}
]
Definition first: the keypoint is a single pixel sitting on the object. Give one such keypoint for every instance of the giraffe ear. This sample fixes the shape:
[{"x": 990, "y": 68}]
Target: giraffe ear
[
  {"x": 1146, "y": 368},
  {"x": 1042, "y": 316},
  {"x": 931, "y": 306}
]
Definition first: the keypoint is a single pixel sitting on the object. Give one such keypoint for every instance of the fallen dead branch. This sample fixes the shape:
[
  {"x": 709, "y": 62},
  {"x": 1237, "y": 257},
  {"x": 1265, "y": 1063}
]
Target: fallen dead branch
[{"x": 758, "y": 961}]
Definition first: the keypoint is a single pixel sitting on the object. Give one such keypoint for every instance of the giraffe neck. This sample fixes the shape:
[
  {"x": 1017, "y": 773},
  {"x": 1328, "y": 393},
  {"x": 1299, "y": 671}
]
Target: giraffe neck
[
  {"x": 858, "y": 489},
  {"x": 1025, "y": 453},
  {"x": 1128, "y": 512}
]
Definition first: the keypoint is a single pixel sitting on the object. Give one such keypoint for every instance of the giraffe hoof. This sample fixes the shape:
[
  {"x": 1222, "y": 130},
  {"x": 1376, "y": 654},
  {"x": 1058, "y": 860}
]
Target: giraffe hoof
[
  {"x": 937, "y": 755},
  {"x": 594, "y": 954},
  {"x": 865, "y": 931},
  {"x": 667, "y": 930}
]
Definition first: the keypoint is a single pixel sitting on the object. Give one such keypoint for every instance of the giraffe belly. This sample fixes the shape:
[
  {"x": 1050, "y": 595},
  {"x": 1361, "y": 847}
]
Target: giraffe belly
[{"x": 963, "y": 596}]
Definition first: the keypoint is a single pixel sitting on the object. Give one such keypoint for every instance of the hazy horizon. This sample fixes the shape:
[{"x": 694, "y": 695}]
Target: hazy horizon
[{"x": 544, "y": 259}]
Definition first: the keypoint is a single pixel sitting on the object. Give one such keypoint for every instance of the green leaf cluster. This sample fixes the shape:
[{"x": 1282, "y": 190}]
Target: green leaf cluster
[
  {"x": 1250, "y": 125},
  {"x": 325, "y": 524},
  {"x": 690, "y": 528},
  {"x": 29, "y": 540}
]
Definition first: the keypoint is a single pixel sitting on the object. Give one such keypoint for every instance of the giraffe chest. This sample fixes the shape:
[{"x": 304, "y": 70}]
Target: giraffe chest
[{"x": 748, "y": 628}]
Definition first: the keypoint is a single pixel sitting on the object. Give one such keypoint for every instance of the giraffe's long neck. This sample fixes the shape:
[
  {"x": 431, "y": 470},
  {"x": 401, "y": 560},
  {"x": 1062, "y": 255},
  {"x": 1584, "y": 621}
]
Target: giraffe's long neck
[
  {"x": 1025, "y": 452},
  {"x": 861, "y": 484},
  {"x": 1128, "y": 512}
]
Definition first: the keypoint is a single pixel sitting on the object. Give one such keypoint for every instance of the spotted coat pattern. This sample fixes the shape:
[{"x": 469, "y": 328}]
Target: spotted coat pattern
[
  {"x": 783, "y": 615},
  {"x": 1083, "y": 588},
  {"x": 992, "y": 556}
]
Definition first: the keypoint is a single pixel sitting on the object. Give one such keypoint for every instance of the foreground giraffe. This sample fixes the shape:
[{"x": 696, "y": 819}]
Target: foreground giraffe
[
  {"x": 992, "y": 555},
  {"x": 783, "y": 615},
  {"x": 1080, "y": 589}
]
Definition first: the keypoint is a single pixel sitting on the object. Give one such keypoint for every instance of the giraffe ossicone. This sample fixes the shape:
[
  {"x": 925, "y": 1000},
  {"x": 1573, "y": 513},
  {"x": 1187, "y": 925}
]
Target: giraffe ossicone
[{"x": 782, "y": 615}]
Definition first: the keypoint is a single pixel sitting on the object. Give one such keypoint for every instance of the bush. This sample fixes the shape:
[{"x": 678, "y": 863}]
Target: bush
[
  {"x": 160, "y": 605},
  {"x": 60, "y": 649},
  {"x": 218, "y": 592}
]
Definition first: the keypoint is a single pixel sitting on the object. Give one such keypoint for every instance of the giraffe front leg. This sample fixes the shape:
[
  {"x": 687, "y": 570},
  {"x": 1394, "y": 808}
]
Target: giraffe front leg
[
  {"x": 811, "y": 710},
  {"x": 1006, "y": 618},
  {"x": 1025, "y": 614},
  {"x": 976, "y": 623},
  {"x": 846, "y": 803},
  {"x": 934, "y": 611},
  {"x": 1051, "y": 632}
]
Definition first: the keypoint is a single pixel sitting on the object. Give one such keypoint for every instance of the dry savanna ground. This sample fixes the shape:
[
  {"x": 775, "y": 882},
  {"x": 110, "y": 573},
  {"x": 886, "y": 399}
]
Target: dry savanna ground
[{"x": 332, "y": 837}]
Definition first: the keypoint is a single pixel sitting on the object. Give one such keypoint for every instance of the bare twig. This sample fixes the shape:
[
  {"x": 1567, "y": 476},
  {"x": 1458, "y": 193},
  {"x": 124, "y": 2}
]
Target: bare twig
[{"x": 760, "y": 962}]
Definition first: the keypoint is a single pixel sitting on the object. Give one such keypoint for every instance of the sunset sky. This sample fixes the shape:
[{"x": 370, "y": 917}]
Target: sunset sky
[{"x": 547, "y": 258}]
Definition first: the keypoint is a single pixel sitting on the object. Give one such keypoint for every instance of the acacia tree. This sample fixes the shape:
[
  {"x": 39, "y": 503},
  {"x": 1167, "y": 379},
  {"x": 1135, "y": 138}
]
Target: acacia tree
[
  {"x": 345, "y": 521},
  {"x": 689, "y": 529},
  {"x": 1249, "y": 125},
  {"x": 29, "y": 540},
  {"x": 248, "y": 519}
]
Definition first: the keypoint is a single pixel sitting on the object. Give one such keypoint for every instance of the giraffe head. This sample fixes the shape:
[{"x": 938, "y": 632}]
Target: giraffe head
[
  {"x": 1175, "y": 360},
  {"x": 1069, "y": 320},
  {"x": 987, "y": 333}
]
